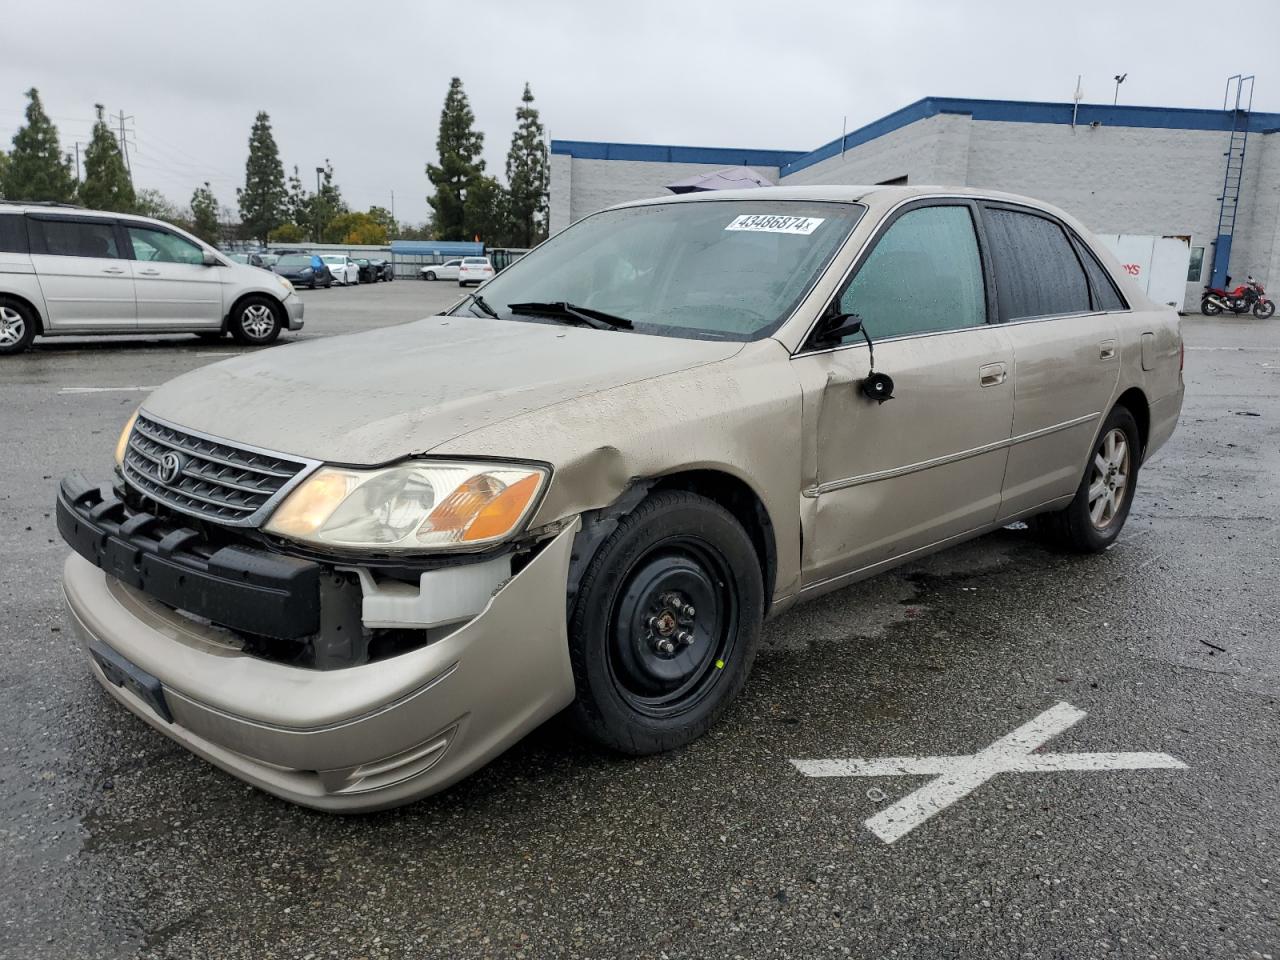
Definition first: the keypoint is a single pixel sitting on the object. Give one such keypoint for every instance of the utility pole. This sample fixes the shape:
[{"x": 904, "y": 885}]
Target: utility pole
[
  {"x": 1119, "y": 78},
  {"x": 123, "y": 136},
  {"x": 393, "y": 207},
  {"x": 319, "y": 170}
]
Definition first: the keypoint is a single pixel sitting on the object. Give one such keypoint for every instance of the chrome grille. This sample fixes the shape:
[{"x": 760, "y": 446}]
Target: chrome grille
[{"x": 214, "y": 479}]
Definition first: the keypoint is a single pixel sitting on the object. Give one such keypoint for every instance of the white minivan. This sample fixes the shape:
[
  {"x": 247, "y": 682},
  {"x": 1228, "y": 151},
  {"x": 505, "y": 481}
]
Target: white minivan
[{"x": 66, "y": 270}]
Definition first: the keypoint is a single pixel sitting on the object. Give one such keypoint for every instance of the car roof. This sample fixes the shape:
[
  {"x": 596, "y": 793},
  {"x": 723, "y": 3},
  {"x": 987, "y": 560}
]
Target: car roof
[{"x": 875, "y": 195}]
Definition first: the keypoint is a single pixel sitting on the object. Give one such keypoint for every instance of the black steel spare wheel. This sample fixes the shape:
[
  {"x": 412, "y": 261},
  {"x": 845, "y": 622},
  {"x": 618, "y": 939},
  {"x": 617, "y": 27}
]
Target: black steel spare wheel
[{"x": 665, "y": 624}]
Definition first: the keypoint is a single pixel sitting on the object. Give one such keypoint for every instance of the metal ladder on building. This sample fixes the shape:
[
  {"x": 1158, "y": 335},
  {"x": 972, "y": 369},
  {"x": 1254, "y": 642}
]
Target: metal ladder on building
[{"x": 1234, "y": 175}]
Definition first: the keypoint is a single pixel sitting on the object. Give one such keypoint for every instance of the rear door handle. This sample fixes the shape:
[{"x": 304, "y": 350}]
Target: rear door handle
[
  {"x": 113, "y": 269},
  {"x": 1107, "y": 350},
  {"x": 992, "y": 374},
  {"x": 149, "y": 273}
]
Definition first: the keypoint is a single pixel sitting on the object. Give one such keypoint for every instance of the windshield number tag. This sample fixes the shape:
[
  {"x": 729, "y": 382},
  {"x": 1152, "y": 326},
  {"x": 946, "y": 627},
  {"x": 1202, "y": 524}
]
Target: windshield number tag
[{"x": 762, "y": 223}]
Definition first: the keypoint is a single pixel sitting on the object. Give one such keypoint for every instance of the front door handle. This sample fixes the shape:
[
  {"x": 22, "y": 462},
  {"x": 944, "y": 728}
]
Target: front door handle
[
  {"x": 1107, "y": 350},
  {"x": 113, "y": 269},
  {"x": 992, "y": 374}
]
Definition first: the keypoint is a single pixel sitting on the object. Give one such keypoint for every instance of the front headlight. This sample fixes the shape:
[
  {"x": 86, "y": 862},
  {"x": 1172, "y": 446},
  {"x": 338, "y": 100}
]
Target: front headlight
[
  {"x": 284, "y": 283},
  {"x": 421, "y": 505},
  {"x": 122, "y": 445}
]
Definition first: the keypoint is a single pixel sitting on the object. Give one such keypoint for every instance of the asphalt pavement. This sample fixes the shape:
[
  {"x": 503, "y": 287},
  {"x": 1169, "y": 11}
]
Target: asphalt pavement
[{"x": 115, "y": 842}]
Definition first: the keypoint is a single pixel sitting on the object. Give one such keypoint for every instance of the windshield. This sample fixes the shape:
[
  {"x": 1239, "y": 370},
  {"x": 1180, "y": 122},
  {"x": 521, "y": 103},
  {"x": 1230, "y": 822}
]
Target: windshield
[
  {"x": 295, "y": 260},
  {"x": 334, "y": 259},
  {"x": 719, "y": 269}
]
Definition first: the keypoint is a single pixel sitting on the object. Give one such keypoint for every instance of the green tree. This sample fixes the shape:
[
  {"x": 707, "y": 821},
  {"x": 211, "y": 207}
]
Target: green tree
[
  {"x": 4, "y": 165},
  {"x": 383, "y": 216},
  {"x": 297, "y": 201},
  {"x": 154, "y": 204},
  {"x": 204, "y": 214},
  {"x": 528, "y": 174},
  {"x": 106, "y": 183},
  {"x": 287, "y": 233},
  {"x": 487, "y": 212},
  {"x": 327, "y": 206},
  {"x": 458, "y": 146},
  {"x": 263, "y": 199},
  {"x": 37, "y": 168},
  {"x": 356, "y": 227}
]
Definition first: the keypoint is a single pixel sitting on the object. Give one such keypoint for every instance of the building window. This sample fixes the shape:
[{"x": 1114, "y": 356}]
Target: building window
[{"x": 1196, "y": 265}]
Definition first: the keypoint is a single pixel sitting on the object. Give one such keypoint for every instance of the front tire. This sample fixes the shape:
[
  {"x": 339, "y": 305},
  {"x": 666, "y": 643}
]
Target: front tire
[
  {"x": 17, "y": 326},
  {"x": 1094, "y": 518},
  {"x": 665, "y": 624},
  {"x": 256, "y": 322},
  {"x": 429, "y": 275},
  {"x": 1264, "y": 309}
]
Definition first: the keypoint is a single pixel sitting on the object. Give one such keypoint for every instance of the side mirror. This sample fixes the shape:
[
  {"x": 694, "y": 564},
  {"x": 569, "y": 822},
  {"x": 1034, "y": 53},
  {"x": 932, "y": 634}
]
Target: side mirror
[
  {"x": 834, "y": 327},
  {"x": 210, "y": 259}
]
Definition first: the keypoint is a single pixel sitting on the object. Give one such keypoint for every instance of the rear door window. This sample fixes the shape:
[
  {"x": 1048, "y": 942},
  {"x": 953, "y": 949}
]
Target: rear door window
[
  {"x": 1037, "y": 271},
  {"x": 924, "y": 276},
  {"x": 13, "y": 233},
  {"x": 76, "y": 238}
]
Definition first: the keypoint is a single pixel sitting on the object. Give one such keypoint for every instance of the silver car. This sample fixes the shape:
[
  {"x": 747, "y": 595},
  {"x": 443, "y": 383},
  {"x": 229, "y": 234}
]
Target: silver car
[
  {"x": 70, "y": 271},
  {"x": 353, "y": 572}
]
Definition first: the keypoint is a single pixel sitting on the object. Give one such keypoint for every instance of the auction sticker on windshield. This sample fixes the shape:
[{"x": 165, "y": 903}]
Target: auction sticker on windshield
[{"x": 765, "y": 223}]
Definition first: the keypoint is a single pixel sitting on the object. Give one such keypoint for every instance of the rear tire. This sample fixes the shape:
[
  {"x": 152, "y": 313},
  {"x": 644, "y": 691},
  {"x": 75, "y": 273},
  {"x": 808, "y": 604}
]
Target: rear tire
[
  {"x": 256, "y": 321},
  {"x": 665, "y": 624},
  {"x": 17, "y": 326},
  {"x": 1094, "y": 518},
  {"x": 1209, "y": 308},
  {"x": 429, "y": 275}
]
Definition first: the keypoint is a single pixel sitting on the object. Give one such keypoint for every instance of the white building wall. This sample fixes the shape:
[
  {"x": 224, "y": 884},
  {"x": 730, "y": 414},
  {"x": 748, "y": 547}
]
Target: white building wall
[
  {"x": 596, "y": 184},
  {"x": 561, "y": 190},
  {"x": 933, "y": 150}
]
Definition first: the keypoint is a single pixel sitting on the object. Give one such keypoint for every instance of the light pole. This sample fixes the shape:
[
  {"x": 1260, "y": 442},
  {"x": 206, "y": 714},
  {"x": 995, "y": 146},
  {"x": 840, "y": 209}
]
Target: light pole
[
  {"x": 319, "y": 171},
  {"x": 1119, "y": 78}
]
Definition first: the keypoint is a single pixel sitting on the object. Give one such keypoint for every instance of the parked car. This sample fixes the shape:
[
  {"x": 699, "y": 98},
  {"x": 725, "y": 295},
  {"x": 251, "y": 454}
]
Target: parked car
[
  {"x": 383, "y": 270},
  {"x": 684, "y": 415},
  {"x": 304, "y": 269},
  {"x": 252, "y": 259},
  {"x": 72, "y": 271},
  {"x": 343, "y": 269},
  {"x": 474, "y": 270},
  {"x": 441, "y": 271},
  {"x": 367, "y": 274}
]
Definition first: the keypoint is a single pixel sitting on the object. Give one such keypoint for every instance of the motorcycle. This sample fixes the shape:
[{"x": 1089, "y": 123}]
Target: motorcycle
[{"x": 1250, "y": 295}]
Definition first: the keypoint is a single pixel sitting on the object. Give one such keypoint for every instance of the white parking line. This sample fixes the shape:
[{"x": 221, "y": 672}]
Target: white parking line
[
  {"x": 64, "y": 391},
  {"x": 958, "y": 776}
]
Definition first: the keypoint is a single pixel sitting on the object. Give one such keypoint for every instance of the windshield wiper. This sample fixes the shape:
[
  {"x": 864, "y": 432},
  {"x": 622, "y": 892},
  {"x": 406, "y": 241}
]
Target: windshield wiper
[
  {"x": 480, "y": 302},
  {"x": 568, "y": 311}
]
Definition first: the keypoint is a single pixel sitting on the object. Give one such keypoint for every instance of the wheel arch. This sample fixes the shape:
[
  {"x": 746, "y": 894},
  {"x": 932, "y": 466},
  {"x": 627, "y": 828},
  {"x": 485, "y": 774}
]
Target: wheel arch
[
  {"x": 276, "y": 303},
  {"x": 1135, "y": 401},
  {"x": 719, "y": 486}
]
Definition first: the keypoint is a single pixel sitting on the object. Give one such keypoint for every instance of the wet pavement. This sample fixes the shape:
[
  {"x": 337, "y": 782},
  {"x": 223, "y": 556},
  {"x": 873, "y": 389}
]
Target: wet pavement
[{"x": 115, "y": 842}]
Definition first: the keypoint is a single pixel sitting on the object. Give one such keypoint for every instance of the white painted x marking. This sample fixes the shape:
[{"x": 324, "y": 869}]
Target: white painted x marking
[{"x": 958, "y": 776}]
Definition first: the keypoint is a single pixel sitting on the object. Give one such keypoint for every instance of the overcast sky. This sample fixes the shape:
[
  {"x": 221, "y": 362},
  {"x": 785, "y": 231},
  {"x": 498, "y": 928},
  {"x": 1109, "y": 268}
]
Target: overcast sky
[{"x": 362, "y": 84}]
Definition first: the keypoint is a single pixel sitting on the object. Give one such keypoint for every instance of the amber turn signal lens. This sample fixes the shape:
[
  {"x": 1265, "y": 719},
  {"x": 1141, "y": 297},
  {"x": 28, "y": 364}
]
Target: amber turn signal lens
[{"x": 502, "y": 512}]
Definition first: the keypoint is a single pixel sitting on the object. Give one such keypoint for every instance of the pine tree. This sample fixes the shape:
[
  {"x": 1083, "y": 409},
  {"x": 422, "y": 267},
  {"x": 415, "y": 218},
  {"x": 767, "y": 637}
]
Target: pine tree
[
  {"x": 37, "y": 169},
  {"x": 204, "y": 214},
  {"x": 263, "y": 200},
  {"x": 106, "y": 183},
  {"x": 528, "y": 175},
  {"x": 487, "y": 212},
  {"x": 297, "y": 201},
  {"x": 458, "y": 146},
  {"x": 4, "y": 166}
]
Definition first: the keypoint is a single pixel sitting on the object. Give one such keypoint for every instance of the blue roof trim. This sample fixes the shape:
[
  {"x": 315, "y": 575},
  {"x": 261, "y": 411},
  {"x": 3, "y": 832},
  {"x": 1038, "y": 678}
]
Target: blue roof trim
[
  {"x": 658, "y": 153},
  {"x": 1029, "y": 111}
]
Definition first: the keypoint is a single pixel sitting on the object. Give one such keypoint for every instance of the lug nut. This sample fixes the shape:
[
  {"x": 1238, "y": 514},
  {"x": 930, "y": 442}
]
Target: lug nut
[
  {"x": 666, "y": 646},
  {"x": 685, "y": 637},
  {"x": 690, "y": 612}
]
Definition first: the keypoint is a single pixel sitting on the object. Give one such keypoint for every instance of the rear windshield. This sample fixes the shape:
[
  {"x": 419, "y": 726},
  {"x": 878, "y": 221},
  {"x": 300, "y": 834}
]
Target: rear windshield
[
  {"x": 295, "y": 260},
  {"x": 708, "y": 269},
  {"x": 476, "y": 261}
]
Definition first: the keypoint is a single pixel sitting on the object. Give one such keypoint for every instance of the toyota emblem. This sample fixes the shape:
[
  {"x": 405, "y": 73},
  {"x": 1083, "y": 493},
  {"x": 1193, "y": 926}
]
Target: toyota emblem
[{"x": 170, "y": 467}]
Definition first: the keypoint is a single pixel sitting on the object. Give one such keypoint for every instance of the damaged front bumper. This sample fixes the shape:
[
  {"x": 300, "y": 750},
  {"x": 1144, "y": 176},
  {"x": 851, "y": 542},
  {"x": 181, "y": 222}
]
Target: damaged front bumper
[{"x": 354, "y": 738}]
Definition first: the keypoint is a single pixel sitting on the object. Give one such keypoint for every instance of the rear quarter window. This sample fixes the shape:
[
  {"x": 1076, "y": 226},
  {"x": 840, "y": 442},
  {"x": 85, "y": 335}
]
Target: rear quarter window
[
  {"x": 13, "y": 233},
  {"x": 1105, "y": 294}
]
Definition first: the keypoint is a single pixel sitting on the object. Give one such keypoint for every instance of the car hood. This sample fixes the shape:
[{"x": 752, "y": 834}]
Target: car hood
[{"x": 373, "y": 397}]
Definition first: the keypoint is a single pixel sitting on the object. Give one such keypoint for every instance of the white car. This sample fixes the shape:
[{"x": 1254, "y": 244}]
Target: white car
[
  {"x": 345, "y": 270},
  {"x": 70, "y": 271},
  {"x": 441, "y": 271},
  {"x": 474, "y": 270}
]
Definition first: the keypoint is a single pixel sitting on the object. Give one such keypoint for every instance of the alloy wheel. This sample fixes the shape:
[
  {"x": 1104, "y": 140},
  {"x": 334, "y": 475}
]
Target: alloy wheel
[
  {"x": 1109, "y": 484},
  {"x": 257, "y": 321},
  {"x": 12, "y": 327}
]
